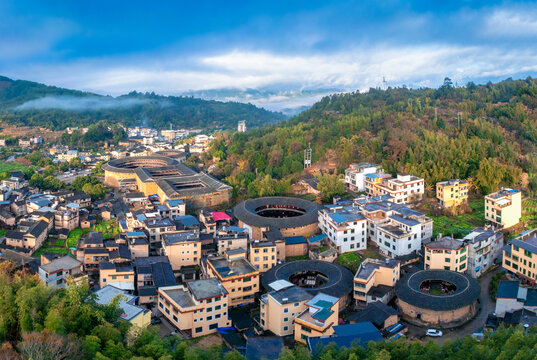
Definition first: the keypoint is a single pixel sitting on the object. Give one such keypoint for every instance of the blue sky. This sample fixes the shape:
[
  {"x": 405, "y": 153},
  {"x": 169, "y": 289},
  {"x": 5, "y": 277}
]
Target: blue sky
[{"x": 281, "y": 47}]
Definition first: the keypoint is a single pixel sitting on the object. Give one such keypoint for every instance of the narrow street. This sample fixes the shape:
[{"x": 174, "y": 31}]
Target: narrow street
[{"x": 487, "y": 307}]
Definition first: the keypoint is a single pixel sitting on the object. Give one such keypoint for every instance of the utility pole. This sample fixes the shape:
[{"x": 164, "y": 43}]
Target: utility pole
[{"x": 307, "y": 157}]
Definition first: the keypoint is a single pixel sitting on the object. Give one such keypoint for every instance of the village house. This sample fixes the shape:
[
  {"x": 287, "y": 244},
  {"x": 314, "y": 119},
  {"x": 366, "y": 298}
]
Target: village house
[
  {"x": 452, "y": 193},
  {"x": 503, "y": 208},
  {"x": 200, "y": 307}
]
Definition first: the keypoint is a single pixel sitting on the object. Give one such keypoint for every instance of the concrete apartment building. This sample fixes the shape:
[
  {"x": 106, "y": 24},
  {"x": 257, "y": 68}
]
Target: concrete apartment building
[
  {"x": 318, "y": 319},
  {"x": 401, "y": 235},
  {"x": 157, "y": 229},
  {"x": 452, "y": 193},
  {"x": 280, "y": 307},
  {"x": 55, "y": 272},
  {"x": 485, "y": 247},
  {"x": 404, "y": 188},
  {"x": 198, "y": 308},
  {"x": 345, "y": 227},
  {"x": 262, "y": 255},
  {"x": 503, "y": 208},
  {"x": 183, "y": 249},
  {"x": 118, "y": 275},
  {"x": 355, "y": 175},
  {"x": 238, "y": 275},
  {"x": 446, "y": 254},
  {"x": 231, "y": 238},
  {"x": 375, "y": 281},
  {"x": 520, "y": 256}
]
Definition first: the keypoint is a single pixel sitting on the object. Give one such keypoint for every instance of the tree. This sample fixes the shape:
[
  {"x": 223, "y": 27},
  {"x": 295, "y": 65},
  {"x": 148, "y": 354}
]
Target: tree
[
  {"x": 48, "y": 346},
  {"x": 330, "y": 185}
]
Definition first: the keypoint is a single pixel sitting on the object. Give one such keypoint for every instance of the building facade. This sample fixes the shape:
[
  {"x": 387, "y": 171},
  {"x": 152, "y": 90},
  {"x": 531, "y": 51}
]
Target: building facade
[
  {"x": 318, "y": 319},
  {"x": 200, "y": 307},
  {"x": 355, "y": 175},
  {"x": 452, "y": 193},
  {"x": 446, "y": 254},
  {"x": 375, "y": 280},
  {"x": 503, "y": 208},
  {"x": 403, "y": 189}
]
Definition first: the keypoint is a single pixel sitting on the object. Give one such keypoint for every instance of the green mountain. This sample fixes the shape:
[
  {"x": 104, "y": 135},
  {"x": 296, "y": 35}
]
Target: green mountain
[
  {"x": 485, "y": 132},
  {"x": 34, "y": 104}
]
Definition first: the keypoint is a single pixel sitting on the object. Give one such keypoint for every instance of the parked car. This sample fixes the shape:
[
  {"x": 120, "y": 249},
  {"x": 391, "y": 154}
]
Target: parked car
[
  {"x": 433, "y": 332},
  {"x": 155, "y": 320}
]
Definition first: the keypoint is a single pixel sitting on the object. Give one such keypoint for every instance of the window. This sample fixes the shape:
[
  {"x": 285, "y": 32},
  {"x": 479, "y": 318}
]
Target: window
[
  {"x": 285, "y": 310},
  {"x": 208, "y": 301},
  {"x": 527, "y": 253},
  {"x": 209, "y": 309},
  {"x": 448, "y": 260},
  {"x": 285, "y": 319},
  {"x": 209, "y": 318},
  {"x": 199, "y": 329},
  {"x": 114, "y": 277},
  {"x": 285, "y": 328},
  {"x": 217, "y": 307}
]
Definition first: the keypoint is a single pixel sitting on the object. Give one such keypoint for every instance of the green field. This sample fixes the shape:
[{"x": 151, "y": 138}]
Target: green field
[
  {"x": 460, "y": 225},
  {"x": 10, "y": 166},
  {"x": 529, "y": 213},
  {"x": 349, "y": 260},
  {"x": 108, "y": 228}
]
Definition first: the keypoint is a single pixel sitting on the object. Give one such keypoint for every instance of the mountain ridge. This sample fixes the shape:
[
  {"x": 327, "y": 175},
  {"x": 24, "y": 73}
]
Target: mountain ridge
[{"x": 35, "y": 104}]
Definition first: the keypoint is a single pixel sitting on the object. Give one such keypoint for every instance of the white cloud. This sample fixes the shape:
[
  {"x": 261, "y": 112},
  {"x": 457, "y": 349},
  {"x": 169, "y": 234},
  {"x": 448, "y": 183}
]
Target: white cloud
[
  {"x": 512, "y": 22},
  {"x": 351, "y": 69}
]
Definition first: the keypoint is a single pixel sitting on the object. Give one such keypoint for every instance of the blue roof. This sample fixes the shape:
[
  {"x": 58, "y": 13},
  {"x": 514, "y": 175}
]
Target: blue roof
[
  {"x": 123, "y": 224},
  {"x": 360, "y": 335},
  {"x": 188, "y": 220},
  {"x": 402, "y": 220},
  {"x": 295, "y": 240},
  {"x": 136, "y": 234},
  {"x": 507, "y": 290},
  {"x": 355, "y": 329},
  {"x": 372, "y": 176},
  {"x": 175, "y": 202},
  {"x": 317, "y": 238},
  {"x": 234, "y": 228},
  {"x": 337, "y": 218},
  {"x": 141, "y": 217}
]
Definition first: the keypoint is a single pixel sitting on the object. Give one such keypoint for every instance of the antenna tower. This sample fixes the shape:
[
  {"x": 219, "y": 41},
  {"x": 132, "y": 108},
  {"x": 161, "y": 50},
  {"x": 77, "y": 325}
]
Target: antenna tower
[{"x": 307, "y": 157}]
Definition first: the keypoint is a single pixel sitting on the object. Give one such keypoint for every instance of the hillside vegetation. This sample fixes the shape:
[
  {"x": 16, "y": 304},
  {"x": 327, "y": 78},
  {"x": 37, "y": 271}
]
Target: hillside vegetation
[
  {"x": 38, "y": 322},
  {"x": 33, "y": 104},
  {"x": 484, "y": 133}
]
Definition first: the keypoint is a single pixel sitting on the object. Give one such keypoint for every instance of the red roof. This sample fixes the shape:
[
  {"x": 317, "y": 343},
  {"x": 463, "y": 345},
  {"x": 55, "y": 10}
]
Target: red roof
[{"x": 218, "y": 215}]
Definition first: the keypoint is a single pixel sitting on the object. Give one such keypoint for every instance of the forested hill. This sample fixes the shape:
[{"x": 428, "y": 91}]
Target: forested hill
[
  {"x": 34, "y": 104},
  {"x": 485, "y": 132}
]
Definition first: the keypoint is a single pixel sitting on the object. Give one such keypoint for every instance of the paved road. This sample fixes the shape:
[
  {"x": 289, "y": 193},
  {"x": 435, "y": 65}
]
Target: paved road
[{"x": 487, "y": 307}]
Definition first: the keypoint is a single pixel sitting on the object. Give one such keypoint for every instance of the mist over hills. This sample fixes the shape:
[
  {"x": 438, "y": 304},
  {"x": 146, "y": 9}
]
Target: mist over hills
[{"x": 34, "y": 104}]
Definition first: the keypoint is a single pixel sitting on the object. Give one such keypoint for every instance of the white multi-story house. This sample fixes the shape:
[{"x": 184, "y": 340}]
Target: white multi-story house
[
  {"x": 485, "y": 246},
  {"x": 404, "y": 189},
  {"x": 354, "y": 175},
  {"x": 404, "y": 232},
  {"x": 345, "y": 226}
]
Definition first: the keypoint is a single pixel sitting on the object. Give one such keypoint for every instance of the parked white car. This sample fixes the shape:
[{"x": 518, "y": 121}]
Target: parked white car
[{"x": 433, "y": 332}]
